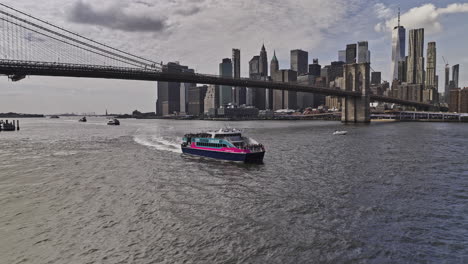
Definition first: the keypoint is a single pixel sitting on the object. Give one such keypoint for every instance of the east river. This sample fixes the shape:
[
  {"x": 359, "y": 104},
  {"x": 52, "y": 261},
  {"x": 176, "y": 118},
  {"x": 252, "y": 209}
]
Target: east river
[{"x": 75, "y": 192}]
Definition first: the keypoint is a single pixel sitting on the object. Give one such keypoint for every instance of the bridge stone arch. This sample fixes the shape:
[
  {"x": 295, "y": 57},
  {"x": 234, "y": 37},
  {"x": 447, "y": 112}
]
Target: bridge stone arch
[
  {"x": 357, "y": 79},
  {"x": 359, "y": 82}
]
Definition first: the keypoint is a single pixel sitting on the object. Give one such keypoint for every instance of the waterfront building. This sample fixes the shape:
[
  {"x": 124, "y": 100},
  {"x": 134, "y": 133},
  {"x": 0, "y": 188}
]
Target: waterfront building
[
  {"x": 169, "y": 93},
  {"x": 284, "y": 99},
  {"x": 376, "y": 77},
  {"x": 342, "y": 55},
  {"x": 398, "y": 50},
  {"x": 196, "y": 100},
  {"x": 415, "y": 63},
  {"x": 430, "y": 95},
  {"x": 380, "y": 88},
  {"x": 225, "y": 92},
  {"x": 211, "y": 99},
  {"x": 334, "y": 102},
  {"x": 299, "y": 64},
  {"x": 305, "y": 99},
  {"x": 299, "y": 61},
  {"x": 184, "y": 91},
  {"x": 459, "y": 100},
  {"x": 409, "y": 92},
  {"x": 351, "y": 52},
  {"x": 431, "y": 64},
  {"x": 238, "y": 112},
  {"x": 455, "y": 74},
  {"x": 363, "y": 53}
]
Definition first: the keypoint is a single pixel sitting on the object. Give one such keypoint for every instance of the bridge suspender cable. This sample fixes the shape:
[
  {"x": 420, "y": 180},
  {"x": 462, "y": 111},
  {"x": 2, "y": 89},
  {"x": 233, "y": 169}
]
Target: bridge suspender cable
[
  {"x": 71, "y": 44},
  {"x": 69, "y": 38},
  {"x": 75, "y": 34}
]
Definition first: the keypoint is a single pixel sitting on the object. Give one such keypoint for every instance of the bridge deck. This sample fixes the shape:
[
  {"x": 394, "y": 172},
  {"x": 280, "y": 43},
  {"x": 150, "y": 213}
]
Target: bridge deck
[{"x": 24, "y": 68}]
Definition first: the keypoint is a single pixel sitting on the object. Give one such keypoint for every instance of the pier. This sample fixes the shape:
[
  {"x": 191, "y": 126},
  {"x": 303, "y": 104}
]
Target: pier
[{"x": 9, "y": 126}]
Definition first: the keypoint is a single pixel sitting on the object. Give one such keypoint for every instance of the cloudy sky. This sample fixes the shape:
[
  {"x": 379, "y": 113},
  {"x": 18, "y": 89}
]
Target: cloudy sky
[{"x": 199, "y": 33}]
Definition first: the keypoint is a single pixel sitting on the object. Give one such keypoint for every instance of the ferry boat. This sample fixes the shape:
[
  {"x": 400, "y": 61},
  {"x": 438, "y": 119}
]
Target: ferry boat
[{"x": 224, "y": 144}]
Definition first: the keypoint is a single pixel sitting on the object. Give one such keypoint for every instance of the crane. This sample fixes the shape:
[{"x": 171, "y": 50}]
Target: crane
[{"x": 446, "y": 62}]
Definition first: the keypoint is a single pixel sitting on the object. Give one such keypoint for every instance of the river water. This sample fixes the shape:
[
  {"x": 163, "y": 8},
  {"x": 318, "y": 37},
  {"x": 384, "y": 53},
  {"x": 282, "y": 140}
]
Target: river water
[{"x": 90, "y": 193}]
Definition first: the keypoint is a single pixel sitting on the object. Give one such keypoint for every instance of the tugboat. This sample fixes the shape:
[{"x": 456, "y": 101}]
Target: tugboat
[
  {"x": 83, "y": 119},
  {"x": 113, "y": 122},
  {"x": 224, "y": 144}
]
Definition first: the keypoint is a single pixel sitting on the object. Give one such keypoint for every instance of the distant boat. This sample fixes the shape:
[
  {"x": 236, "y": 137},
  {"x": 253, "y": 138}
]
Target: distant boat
[
  {"x": 83, "y": 119},
  {"x": 54, "y": 116},
  {"x": 113, "y": 122},
  {"x": 337, "y": 132}
]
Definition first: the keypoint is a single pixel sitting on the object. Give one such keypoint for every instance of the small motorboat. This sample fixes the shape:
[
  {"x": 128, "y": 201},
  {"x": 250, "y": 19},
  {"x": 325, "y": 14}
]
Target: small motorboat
[
  {"x": 113, "y": 122},
  {"x": 54, "y": 116},
  {"x": 338, "y": 132},
  {"x": 83, "y": 119}
]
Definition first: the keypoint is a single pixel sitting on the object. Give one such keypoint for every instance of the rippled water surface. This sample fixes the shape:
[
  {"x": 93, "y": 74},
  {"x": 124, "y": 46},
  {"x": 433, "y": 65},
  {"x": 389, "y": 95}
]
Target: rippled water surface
[{"x": 90, "y": 193}]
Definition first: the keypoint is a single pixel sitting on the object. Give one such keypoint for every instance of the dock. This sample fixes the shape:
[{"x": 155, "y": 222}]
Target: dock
[{"x": 6, "y": 125}]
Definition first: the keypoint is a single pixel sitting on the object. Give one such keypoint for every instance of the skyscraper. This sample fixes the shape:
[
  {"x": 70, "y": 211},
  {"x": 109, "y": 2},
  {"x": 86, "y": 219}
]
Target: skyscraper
[
  {"x": 363, "y": 54},
  {"x": 254, "y": 73},
  {"x": 402, "y": 69},
  {"x": 376, "y": 77},
  {"x": 351, "y": 53},
  {"x": 263, "y": 62},
  {"x": 299, "y": 61},
  {"x": 415, "y": 66},
  {"x": 315, "y": 68},
  {"x": 274, "y": 64},
  {"x": 431, "y": 65},
  {"x": 260, "y": 73},
  {"x": 274, "y": 68},
  {"x": 211, "y": 101},
  {"x": 398, "y": 48},
  {"x": 284, "y": 99},
  {"x": 342, "y": 55},
  {"x": 169, "y": 93},
  {"x": 225, "y": 92},
  {"x": 447, "y": 84},
  {"x": 238, "y": 92},
  {"x": 196, "y": 100},
  {"x": 455, "y": 74}
]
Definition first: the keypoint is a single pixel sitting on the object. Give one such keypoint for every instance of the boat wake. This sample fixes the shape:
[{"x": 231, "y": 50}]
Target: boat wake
[{"x": 158, "y": 143}]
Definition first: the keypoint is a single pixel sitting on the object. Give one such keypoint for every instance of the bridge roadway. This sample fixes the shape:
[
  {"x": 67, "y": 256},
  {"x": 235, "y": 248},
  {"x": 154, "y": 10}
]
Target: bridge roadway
[{"x": 19, "y": 69}]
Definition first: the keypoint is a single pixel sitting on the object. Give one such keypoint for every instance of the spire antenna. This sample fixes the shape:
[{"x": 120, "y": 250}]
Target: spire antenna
[{"x": 398, "y": 16}]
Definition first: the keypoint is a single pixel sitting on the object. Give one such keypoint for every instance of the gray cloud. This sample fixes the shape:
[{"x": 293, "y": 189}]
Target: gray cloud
[
  {"x": 188, "y": 11},
  {"x": 114, "y": 18}
]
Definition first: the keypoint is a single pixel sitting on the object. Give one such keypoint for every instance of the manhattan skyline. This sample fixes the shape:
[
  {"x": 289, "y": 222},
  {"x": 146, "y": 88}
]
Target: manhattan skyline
[{"x": 337, "y": 23}]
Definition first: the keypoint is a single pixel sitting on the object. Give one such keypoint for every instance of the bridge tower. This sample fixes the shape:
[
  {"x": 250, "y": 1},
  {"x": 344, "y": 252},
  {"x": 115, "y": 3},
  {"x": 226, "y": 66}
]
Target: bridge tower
[{"x": 357, "y": 79}]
